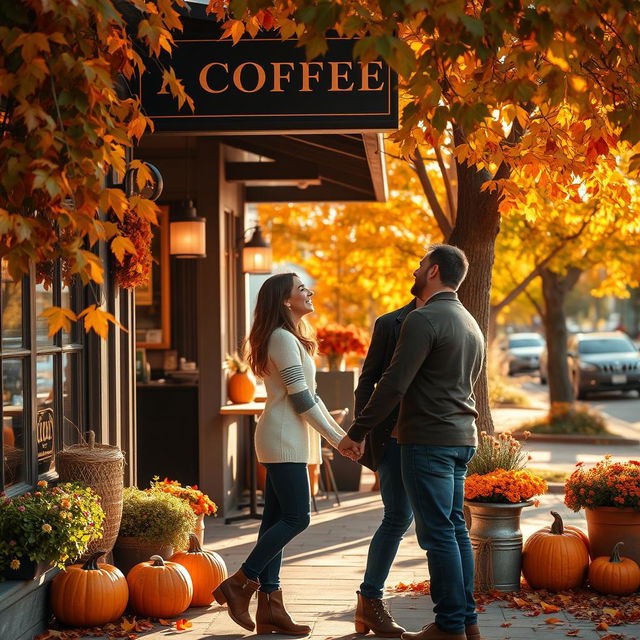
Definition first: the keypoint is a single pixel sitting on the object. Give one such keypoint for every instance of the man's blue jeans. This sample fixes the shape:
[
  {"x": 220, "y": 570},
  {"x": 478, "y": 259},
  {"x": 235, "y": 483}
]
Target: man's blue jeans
[
  {"x": 397, "y": 519},
  {"x": 286, "y": 514},
  {"x": 434, "y": 480}
]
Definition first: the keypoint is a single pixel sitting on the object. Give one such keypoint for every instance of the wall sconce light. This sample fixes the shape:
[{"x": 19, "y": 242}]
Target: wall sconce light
[
  {"x": 257, "y": 254},
  {"x": 187, "y": 236}
]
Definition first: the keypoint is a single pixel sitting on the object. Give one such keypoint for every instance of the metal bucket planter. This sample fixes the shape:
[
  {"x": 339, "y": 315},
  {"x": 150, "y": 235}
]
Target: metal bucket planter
[{"x": 497, "y": 544}]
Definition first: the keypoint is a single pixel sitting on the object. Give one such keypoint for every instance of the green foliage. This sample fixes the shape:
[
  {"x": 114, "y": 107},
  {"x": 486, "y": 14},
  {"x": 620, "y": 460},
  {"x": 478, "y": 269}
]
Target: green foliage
[
  {"x": 51, "y": 524},
  {"x": 576, "y": 421},
  {"x": 551, "y": 475},
  {"x": 157, "y": 516},
  {"x": 497, "y": 452}
]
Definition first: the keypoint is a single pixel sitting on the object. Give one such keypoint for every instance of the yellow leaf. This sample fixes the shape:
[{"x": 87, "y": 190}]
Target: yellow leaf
[
  {"x": 578, "y": 83},
  {"x": 145, "y": 208},
  {"x": 121, "y": 245},
  {"x": 98, "y": 320},
  {"x": 114, "y": 199},
  {"x": 58, "y": 318}
]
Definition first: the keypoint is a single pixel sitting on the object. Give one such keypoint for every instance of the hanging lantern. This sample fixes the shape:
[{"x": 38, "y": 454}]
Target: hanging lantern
[
  {"x": 256, "y": 254},
  {"x": 188, "y": 235}
]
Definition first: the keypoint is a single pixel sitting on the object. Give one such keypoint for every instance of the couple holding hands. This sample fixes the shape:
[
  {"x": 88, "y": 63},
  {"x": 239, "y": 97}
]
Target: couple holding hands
[{"x": 414, "y": 423}]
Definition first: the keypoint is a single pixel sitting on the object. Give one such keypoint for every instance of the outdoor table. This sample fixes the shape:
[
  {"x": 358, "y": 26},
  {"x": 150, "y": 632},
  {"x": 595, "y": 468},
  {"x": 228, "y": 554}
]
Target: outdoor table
[{"x": 251, "y": 409}]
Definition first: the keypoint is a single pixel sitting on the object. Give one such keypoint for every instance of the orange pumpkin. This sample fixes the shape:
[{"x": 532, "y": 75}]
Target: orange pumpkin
[
  {"x": 555, "y": 559},
  {"x": 206, "y": 568},
  {"x": 615, "y": 575},
  {"x": 242, "y": 388},
  {"x": 89, "y": 594},
  {"x": 569, "y": 528},
  {"x": 159, "y": 589}
]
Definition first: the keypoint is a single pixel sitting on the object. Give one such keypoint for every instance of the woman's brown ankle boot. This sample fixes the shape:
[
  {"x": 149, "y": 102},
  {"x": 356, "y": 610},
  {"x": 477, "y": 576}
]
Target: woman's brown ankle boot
[
  {"x": 272, "y": 616},
  {"x": 237, "y": 591}
]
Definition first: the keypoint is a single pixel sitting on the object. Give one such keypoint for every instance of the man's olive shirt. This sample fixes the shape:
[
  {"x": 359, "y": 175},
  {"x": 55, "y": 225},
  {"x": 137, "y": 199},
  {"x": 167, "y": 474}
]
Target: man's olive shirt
[{"x": 435, "y": 365}]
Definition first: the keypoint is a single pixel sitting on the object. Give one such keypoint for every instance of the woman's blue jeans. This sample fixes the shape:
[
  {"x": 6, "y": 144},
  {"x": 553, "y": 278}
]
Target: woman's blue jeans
[
  {"x": 434, "y": 480},
  {"x": 286, "y": 514},
  {"x": 395, "y": 522}
]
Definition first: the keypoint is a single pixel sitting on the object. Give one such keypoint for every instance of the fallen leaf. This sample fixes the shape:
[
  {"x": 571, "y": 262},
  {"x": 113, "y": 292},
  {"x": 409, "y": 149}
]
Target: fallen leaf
[
  {"x": 553, "y": 621},
  {"x": 165, "y": 623},
  {"x": 519, "y": 602},
  {"x": 603, "y": 626},
  {"x": 573, "y": 632},
  {"x": 183, "y": 624},
  {"x": 611, "y": 612},
  {"x": 549, "y": 608},
  {"x": 506, "y": 624}
]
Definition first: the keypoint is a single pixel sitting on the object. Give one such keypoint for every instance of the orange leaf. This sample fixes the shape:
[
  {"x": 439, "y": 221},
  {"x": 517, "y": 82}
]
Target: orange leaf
[
  {"x": 603, "y": 626},
  {"x": 553, "y": 621},
  {"x": 549, "y": 608},
  {"x": 506, "y": 624},
  {"x": 183, "y": 624},
  {"x": 121, "y": 245},
  {"x": 98, "y": 320},
  {"x": 165, "y": 623},
  {"x": 611, "y": 612},
  {"x": 59, "y": 318},
  {"x": 519, "y": 602},
  {"x": 573, "y": 632}
]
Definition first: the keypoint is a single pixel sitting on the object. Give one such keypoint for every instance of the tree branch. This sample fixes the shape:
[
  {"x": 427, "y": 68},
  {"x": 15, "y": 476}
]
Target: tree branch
[
  {"x": 421, "y": 171},
  {"x": 447, "y": 186}
]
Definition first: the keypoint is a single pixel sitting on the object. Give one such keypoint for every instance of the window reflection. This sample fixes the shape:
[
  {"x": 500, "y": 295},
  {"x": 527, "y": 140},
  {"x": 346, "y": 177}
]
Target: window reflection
[
  {"x": 45, "y": 414},
  {"x": 13, "y": 439},
  {"x": 44, "y": 300},
  {"x": 71, "y": 398},
  {"x": 11, "y": 296}
]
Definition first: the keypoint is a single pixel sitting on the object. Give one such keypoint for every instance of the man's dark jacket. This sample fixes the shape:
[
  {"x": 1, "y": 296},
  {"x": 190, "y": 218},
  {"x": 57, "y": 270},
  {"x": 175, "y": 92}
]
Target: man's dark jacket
[{"x": 383, "y": 343}]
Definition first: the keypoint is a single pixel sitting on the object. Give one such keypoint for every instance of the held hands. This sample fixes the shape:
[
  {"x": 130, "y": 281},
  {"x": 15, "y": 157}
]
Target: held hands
[{"x": 350, "y": 448}]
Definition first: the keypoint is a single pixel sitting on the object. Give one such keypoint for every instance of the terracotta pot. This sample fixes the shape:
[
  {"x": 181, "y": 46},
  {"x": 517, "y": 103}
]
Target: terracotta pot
[
  {"x": 199, "y": 529},
  {"x": 242, "y": 388},
  {"x": 129, "y": 551},
  {"x": 609, "y": 525}
]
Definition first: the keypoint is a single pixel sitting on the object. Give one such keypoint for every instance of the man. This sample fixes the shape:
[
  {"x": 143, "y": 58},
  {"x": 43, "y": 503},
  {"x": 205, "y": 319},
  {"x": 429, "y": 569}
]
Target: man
[
  {"x": 382, "y": 454},
  {"x": 434, "y": 368}
]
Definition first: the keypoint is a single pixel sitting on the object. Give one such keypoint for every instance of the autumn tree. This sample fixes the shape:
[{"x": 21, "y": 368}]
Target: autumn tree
[
  {"x": 66, "y": 122},
  {"x": 360, "y": 255}
]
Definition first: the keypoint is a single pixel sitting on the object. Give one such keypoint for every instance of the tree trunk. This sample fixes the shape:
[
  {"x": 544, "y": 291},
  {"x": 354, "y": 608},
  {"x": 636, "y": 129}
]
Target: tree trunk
[
  {"x": 554, "y": 290},
  {"x": 477, "y": 225}
]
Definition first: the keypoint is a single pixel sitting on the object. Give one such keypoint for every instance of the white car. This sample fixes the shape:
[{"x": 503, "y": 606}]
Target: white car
[{"x": 523, "y": 351}]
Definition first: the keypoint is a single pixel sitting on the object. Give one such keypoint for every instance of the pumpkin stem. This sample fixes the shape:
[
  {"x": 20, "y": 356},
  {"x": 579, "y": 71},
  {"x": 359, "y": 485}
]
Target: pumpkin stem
[
  {"x": 615, "y": 554},
  {"x": 92, "y": 439},
  {"x": 557, "y": 527},
  {"x": 158, "y": 561},
  {"x": 92, "y": 561},
  {"x": 194, "y": 544}
]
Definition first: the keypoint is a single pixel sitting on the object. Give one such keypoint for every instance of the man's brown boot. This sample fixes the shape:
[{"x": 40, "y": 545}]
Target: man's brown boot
[
  {"x": 372, "y": 615},
  {"x": 472, "y": 631},
  {"x": 236, "y": 591},
  {"x": 432, "y": 632},
  {"x": 273, "y": 617}
]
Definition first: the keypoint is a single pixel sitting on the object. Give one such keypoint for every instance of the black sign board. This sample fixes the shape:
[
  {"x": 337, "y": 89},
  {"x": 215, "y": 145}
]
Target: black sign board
[
  {"x": 45, "y": 434},
  {"x": 264, "y": 84}
]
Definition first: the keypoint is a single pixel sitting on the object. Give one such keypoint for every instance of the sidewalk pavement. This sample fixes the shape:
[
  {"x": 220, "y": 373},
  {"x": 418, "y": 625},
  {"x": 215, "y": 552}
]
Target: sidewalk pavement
[{"x": 323, "y": 568}]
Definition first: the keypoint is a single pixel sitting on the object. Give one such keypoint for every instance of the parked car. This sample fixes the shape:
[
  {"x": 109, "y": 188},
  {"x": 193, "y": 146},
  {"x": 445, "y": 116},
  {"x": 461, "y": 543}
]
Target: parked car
[
  {"x": 523, "y": 351},
  {"x": 603, "y": 361}
]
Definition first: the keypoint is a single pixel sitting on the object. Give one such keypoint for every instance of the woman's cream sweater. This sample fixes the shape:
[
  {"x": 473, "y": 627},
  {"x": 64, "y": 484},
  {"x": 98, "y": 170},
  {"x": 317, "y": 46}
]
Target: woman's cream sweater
[{"x": 294, "y": 416}]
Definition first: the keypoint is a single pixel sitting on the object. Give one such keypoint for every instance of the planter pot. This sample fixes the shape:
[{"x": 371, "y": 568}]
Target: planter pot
[
  {"x": 199, "y": 529},
  {"x": 497, "y": 544},
  {"x": 336, "y": 362},
  {"x": 608, "y": 525},
  {"x": 129, "y": 551},
  {"x": 28, "y": 570}
]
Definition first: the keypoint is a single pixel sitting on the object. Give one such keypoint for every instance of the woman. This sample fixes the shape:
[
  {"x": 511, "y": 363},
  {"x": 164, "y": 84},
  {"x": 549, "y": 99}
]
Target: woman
[{"x": 287, "y": 439}]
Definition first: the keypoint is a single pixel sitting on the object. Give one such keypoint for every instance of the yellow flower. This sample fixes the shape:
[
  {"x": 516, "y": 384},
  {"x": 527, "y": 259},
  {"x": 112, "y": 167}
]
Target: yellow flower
[
  {"x": 65, "y": 504},
  {"x": 46, "y": 528},
  {"x": 15, "y": 564}
]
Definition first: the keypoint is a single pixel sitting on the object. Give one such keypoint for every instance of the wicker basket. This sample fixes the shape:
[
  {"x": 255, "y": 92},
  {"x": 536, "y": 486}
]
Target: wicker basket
[{"x": 101, "y": 467}]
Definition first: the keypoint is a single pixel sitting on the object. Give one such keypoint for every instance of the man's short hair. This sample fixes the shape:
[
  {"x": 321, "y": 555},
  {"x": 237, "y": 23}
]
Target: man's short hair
[{"x": 452, "y": 262}]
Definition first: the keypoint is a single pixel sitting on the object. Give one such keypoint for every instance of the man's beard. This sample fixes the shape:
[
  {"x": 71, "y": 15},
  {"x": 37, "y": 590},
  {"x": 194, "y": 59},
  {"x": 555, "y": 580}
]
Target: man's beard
[{"x": 416, "y": 289}]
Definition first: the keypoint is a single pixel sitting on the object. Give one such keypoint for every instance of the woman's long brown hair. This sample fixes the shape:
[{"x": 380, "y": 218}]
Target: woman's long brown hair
[{"x": 270, "y": 314}]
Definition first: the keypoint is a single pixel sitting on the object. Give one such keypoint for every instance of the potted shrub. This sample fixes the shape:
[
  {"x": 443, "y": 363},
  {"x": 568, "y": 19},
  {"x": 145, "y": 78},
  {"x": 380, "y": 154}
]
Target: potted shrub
[
  {"x": 199, "y": 502},
  {"x": 241, "y": 385},
  {"x": 497, "y": 488},
  {"x": 47, "y": 527},
  {"x": 153, "y": 523},
  {"x": 609, "y": 492}
]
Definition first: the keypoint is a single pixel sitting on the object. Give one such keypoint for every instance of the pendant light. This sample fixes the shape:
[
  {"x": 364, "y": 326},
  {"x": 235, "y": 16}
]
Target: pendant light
[{"x": 257, "y": 254}]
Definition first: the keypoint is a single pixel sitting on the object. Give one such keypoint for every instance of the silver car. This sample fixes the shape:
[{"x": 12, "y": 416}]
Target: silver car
[
  {"x": 603, "y": 361},
  {"x": 523, "y": 351}
]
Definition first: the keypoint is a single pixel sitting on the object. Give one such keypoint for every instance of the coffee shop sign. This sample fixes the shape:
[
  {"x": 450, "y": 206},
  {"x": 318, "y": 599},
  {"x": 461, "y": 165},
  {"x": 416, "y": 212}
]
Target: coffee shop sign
[{"x": 268, "y": 85}]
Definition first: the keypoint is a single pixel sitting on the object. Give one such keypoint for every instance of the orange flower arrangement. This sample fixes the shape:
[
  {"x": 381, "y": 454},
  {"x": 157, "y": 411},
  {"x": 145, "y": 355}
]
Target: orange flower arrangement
[
  {"x": 336, "y": 339},
  {"x": 199, "y": 502},
  {"x": 503, "y": 486},
  {"x": 607, "y": 484}
]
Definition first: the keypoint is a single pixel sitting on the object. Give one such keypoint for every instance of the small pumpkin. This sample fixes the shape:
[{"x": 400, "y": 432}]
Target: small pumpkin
[
  {"x": 241, "y": 388},
  {"x": 614, "y": 574},
  {"x": 89, "y": 594},
  {"x": 206, "y": 568},
  {"x": 555, "y": 559},
  {"x": 159, "y": 589}
]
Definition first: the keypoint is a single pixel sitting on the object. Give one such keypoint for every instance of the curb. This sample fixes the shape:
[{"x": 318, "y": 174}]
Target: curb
[{"x": 569, "y": 439}]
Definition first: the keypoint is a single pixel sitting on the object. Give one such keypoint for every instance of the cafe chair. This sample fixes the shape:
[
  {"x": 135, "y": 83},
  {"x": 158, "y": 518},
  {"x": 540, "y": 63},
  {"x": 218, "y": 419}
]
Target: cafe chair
[{"x": 326, "y": 471}]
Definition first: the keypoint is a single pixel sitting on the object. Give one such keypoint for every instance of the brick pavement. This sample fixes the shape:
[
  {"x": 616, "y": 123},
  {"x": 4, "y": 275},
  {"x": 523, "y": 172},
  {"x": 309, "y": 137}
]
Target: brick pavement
[{"x": 323, "y": 568}]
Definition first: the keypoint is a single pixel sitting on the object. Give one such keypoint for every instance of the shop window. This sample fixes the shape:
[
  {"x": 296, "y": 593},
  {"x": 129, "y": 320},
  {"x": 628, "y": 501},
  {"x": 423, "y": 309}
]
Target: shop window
[{"x": 43, "y": 386}]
